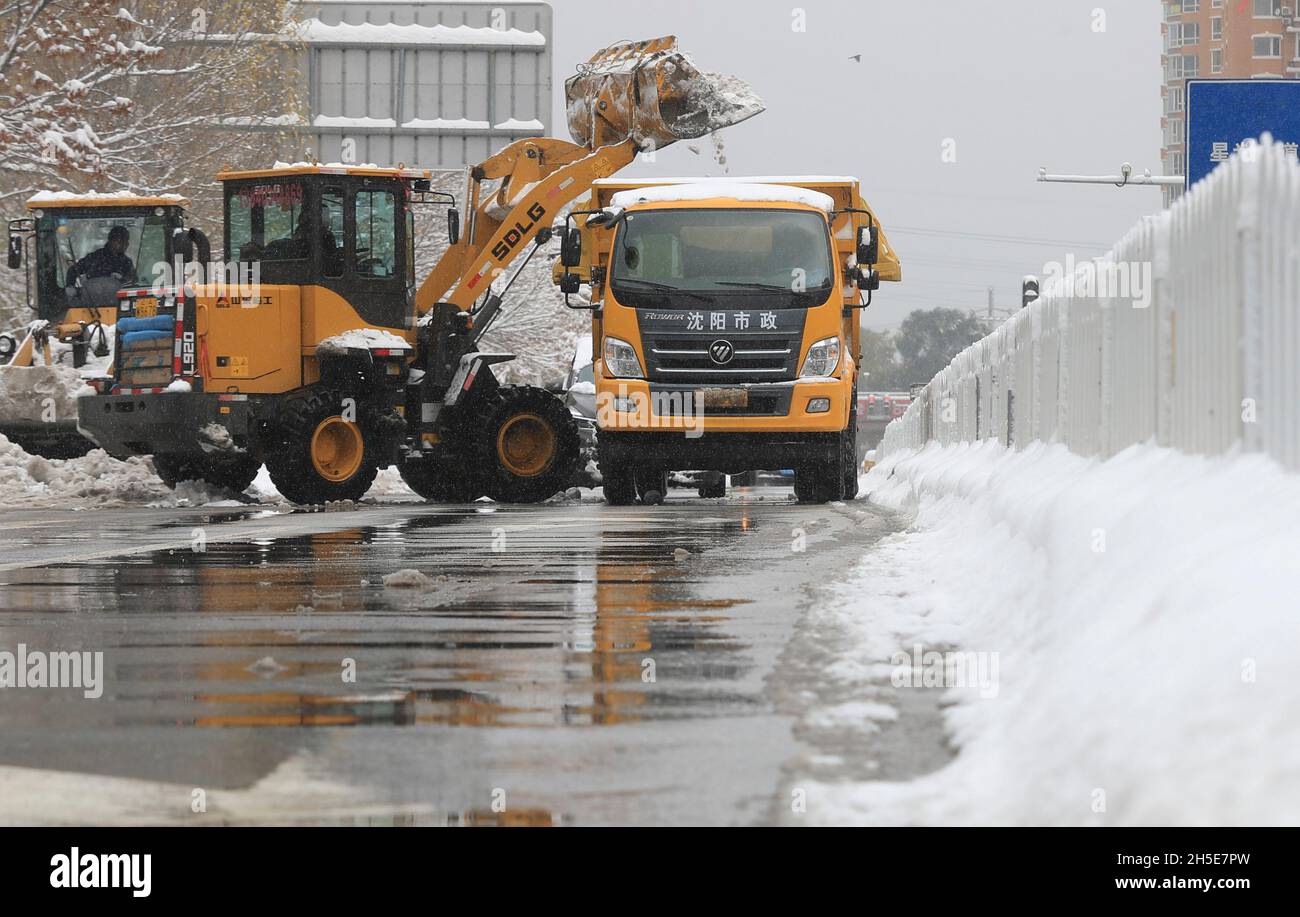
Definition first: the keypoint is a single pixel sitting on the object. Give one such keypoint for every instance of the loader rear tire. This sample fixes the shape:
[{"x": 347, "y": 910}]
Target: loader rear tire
[
  {"x": 232, "y": 472},
  {"x": 323, "y": 458},
  {"x": 432, "y": 483},
  {"x": 527, "y": 445}
]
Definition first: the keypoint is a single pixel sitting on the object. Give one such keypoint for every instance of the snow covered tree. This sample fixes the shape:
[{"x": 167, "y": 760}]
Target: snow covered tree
[
  {"x": 143, "y": 96},
  {"x": 95, "y": 95}
]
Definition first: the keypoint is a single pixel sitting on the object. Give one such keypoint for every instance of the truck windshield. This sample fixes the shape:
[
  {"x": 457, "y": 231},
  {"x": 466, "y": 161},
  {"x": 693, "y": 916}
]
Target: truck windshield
[{"x": 668, "y": 258}]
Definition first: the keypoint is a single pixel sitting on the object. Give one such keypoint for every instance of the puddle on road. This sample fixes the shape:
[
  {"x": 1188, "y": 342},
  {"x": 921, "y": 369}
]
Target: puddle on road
[{"x": 263, "y": 634}]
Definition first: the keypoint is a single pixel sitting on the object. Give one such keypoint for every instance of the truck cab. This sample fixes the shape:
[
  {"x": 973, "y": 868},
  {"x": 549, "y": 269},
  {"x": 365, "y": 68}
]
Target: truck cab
[{"x": 726, "y": 327}]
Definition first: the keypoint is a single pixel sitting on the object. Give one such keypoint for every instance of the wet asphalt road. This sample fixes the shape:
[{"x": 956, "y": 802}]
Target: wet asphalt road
[{"x": 565, "y": 663}]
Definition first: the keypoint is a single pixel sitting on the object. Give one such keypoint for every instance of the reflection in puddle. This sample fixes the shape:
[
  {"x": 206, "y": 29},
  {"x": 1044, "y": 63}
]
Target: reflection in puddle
[{"x": 580, "y": 623}]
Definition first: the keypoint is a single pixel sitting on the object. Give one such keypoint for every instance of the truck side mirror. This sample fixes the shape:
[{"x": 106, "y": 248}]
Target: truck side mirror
[
  {"x": 867, "y": 278},
  {"x": 571, "y": 248},
  {"x": 453, "y": 226},
  {"x": 15, "y": 252},
  {"x": 570, "y": 283},
  {"x": 868, "y": 244}
]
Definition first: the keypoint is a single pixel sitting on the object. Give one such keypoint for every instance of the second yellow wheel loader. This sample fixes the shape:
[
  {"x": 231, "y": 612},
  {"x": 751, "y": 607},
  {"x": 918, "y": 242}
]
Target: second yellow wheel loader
[
  {"x": 71, "y": 289},
  {"x": 337, "y": 364}
]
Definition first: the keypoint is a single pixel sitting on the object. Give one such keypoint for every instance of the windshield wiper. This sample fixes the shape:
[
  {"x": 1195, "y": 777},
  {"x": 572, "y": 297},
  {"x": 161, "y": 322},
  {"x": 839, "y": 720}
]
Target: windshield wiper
[
  {"x": 662, "y": 288},
  {"x": 773, "y": 287}
]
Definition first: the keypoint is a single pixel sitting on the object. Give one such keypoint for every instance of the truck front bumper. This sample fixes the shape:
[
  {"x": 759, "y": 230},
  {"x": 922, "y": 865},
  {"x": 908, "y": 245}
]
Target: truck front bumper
[
  {"x": 730, "y": 453},
  {"x": 167, "y": 422},
  {"x": 772, "y": 407}
]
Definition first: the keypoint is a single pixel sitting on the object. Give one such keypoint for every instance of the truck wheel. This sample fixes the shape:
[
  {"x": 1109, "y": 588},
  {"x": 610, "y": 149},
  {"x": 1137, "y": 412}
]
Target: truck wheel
[
  {"x": 323, "y": 457},
  {"x": 651, "y": 486},
  {"x": 849, "y": 450},
  {"x": 820, "y": 482},
  {"x": 619, "y": 484},
  {"x": 528, "y": 446},
  {"x": 437, "y": 486},
  {"x": 233, "y": 472},
  {"x": 713, "y": 486}
]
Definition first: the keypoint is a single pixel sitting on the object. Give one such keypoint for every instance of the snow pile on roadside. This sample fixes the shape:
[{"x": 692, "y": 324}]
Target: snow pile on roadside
[
  {"x": 388, "y": 483},
  {"x": 1143, "y": 612},
  {"x": 95, "y": 479},
  {"x": 39, "y": 393}
]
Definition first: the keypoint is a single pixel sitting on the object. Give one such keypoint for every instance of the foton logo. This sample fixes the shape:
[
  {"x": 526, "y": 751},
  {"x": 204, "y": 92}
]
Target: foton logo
[
  {"x": 501, "y": 251},
  {"x": 721, "y": 352}
]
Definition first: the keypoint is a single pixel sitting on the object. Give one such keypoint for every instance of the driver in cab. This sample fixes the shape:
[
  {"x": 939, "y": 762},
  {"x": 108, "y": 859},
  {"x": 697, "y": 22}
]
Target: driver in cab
[{"x": 109, "y": 261}]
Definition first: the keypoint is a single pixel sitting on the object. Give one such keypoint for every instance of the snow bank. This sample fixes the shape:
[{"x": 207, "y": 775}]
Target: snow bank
[
  {"x": 738, "y": 191},
  {"x": 1143, "y": 610},
  {"x": 96, "y": 479},
  {"x": 36, "y": 393}
]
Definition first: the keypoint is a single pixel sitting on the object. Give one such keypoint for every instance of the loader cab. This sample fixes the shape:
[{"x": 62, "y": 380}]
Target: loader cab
[
  {"x": 63, "y": 230},
  {"x": 349, "y": 230}
]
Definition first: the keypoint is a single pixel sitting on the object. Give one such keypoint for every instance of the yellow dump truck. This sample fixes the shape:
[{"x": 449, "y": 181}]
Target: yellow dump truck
[{"x": 725, "y": 327}]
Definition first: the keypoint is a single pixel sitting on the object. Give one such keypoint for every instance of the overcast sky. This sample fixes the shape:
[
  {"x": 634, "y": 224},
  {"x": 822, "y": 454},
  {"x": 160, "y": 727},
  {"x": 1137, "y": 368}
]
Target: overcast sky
[{"x": 1017, "y": 84}]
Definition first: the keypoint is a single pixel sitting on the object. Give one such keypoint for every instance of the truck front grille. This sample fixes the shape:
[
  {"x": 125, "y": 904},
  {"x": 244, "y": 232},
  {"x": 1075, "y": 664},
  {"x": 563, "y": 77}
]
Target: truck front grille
[{"x": 686, "y": 358}]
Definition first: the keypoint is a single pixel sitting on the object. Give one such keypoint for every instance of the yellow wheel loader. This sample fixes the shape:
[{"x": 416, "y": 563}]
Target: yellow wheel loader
[
  {"x": 334, "y": 363},
  {"x": 71, "y": 288}
]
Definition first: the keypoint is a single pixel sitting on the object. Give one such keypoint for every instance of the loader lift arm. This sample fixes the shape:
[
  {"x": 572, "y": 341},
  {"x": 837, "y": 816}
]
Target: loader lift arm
[{"x": 552, "y": 173}]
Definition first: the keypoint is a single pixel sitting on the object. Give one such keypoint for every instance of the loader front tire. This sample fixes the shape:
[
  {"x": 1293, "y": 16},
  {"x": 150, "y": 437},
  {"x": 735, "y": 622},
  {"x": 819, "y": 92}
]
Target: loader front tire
[
  {"x": 233, "y": 472},
  {"x": 527, "y": 445},
  {"x": 323, "y": 457}
]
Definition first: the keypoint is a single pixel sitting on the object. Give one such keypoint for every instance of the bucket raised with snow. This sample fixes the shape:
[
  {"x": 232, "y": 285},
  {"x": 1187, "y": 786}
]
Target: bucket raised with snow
[{"x": 651, "y": 92}]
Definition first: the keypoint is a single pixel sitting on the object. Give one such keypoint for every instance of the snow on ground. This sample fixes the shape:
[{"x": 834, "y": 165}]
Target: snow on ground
[
  {"x": 99, "y": 480},
  {"x": 1143, "y": 612},
  {"x": 96, "y": 479}
]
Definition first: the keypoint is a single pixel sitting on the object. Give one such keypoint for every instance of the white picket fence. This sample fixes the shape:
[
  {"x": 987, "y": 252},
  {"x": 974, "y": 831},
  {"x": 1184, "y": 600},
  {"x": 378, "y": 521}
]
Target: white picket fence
[{"x": 1211, "y": 361}]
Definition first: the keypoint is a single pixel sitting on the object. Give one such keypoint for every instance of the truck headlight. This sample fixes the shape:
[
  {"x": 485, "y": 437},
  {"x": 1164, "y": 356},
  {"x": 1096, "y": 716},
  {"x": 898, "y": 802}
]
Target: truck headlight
[
  {"x": 620, "y": 359},
  {"x": 823, "y": 357}
]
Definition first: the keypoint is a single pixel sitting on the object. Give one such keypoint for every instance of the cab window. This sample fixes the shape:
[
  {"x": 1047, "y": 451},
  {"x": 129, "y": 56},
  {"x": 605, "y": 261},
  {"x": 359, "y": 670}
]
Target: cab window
[
  {"x": 268, "y": 222},
  {"x": 376, "y": 246},
  {"x": 332, "y": 231}
]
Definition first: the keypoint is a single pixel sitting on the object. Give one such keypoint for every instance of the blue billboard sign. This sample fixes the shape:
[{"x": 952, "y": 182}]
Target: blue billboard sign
[{"x": 1222, "y": 114}]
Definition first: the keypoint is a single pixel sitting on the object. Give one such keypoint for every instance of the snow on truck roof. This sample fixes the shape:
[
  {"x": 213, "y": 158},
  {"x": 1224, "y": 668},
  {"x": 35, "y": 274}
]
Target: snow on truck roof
[
  {"x": 281, "y": 169},
  {"x": 736, "y": 191},
  {"x": 56, "y": 199},
  {"x": 741, "y": 179}
]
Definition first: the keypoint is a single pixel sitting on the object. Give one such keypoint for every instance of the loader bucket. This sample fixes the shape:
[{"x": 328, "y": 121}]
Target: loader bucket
[{"x": 652, "y": 93}]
